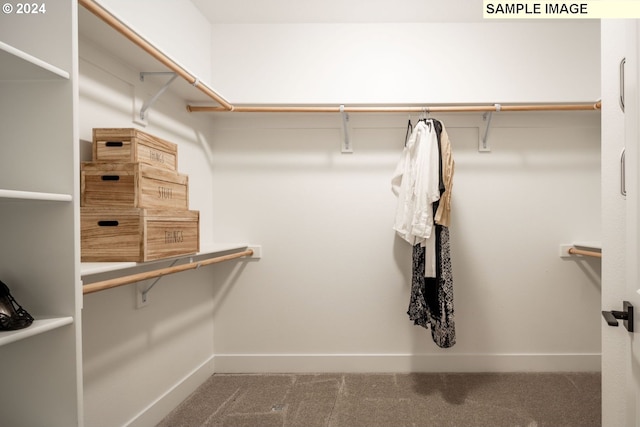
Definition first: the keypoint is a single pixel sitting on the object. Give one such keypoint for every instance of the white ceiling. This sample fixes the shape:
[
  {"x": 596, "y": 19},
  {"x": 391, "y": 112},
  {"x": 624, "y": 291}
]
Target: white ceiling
[{"x": 339, "y": 11}]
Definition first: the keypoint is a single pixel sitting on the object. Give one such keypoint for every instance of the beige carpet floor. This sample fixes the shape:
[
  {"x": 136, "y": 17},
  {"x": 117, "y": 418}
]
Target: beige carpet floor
[{"x": 394, "y": 400}]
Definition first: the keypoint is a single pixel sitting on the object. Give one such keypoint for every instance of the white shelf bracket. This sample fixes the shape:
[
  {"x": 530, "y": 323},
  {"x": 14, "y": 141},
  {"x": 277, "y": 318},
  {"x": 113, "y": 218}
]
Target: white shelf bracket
[
  {"x": 154, "y": 98},
  {"x": 483, "y": 145},
  {"x": 144, "y": 292},
  {"x": 346, "y": 140}
]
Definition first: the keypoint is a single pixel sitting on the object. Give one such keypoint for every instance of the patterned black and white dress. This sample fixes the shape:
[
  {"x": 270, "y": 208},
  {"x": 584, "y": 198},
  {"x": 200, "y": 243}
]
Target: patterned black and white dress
[{"x": 431, "y": 301}]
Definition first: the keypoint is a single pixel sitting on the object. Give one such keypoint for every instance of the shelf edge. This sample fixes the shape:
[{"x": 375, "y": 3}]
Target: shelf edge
[
  {"x": 39, "y": 326},
  {"x": 91, "y": 268},
  {"x": 34, "y": 61}
]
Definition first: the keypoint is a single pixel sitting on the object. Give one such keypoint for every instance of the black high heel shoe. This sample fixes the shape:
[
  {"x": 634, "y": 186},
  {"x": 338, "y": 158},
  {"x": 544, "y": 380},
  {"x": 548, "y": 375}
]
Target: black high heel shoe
[{"x": 12, "y": 315}]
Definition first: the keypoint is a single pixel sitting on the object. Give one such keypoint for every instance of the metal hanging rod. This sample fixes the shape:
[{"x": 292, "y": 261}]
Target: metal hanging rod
[
  {"x": 125, "y": 280},
  {"x": 226, "y": 106}
]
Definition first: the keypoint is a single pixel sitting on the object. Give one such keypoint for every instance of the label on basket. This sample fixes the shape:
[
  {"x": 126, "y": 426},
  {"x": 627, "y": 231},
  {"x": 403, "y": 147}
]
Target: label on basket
[
  {"x": 165, "y": 192},
  {"x": 175, "y": 236},
  {"x": 156, "y": 156}
]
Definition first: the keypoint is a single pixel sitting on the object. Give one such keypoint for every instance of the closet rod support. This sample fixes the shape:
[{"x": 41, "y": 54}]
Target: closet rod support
[
  {"x": 145, "y": 292},
  {"x": 143, "y": 74},
  {"x": 154, "y": 98},
  {"x": 346, "y": 141},
  {"x": 484, "y": 147}
]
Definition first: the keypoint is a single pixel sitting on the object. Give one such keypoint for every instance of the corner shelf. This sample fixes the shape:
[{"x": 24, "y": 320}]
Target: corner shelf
[
  {"x": 39, "y": 326},
  {"x": 19, "y": 65}
]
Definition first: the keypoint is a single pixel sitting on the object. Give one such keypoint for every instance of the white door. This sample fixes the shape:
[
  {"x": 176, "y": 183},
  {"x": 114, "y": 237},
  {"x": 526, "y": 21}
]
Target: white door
[
  {"x": 632, "y": 185},
  {"x": 621, "y": 220},
  {"x": 632, "y": 158}
]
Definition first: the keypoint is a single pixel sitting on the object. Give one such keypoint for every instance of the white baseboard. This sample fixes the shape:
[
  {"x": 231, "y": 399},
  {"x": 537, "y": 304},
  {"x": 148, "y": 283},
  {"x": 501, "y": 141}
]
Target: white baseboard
[
  {"x": 400, "y": 363},
  {"x": 169, "y": 400}
]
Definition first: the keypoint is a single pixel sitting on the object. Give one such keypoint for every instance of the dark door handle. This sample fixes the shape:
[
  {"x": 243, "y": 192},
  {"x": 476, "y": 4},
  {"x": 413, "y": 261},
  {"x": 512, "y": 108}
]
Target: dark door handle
[
  {"x": 611, "y": 316},
  {"x": 626, "y": 316}
]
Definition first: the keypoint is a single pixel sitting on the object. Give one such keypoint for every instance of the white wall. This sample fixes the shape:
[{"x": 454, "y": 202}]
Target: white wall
[
  {"x": 407, "y": 63},
  {"x": 140, "y": 363},
  {"x": 174, "y": 26},
  {"x": 332, "y": 289},
  {"x": 133, "y": 357}
]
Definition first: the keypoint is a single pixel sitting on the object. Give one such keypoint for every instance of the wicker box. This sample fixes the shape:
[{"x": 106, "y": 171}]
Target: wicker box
[
  {"x": 134, "y": 185},
  {"x": 135, "y": 234},
  {"x": 128, "y": 145}
]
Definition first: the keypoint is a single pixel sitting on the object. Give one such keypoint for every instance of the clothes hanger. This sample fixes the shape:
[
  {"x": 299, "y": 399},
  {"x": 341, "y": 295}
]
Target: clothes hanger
[
  {"x": 425, "y": 115},
  {"x": 409, "y": 131}
]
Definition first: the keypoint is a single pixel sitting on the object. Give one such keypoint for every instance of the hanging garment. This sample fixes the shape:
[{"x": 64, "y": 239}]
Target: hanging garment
[
  {"x": 431, "y": 301},
  {"x": 416, "y": 182},
  {"x": 443, "y": 214}
]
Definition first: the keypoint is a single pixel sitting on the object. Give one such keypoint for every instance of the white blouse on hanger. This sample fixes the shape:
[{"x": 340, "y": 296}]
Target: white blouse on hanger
[{"x": 416, "y": 182}]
